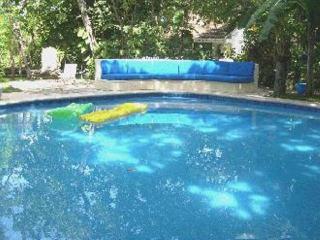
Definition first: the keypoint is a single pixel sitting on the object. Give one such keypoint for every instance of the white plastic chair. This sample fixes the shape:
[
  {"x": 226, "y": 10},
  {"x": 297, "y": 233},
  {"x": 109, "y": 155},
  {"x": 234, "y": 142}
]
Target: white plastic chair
[{"x": 69, "y": 72}]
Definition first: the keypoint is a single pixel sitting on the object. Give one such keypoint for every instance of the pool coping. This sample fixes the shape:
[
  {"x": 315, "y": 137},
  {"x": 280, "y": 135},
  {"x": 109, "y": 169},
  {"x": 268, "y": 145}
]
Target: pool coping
[{"x": 256, "y": 99}]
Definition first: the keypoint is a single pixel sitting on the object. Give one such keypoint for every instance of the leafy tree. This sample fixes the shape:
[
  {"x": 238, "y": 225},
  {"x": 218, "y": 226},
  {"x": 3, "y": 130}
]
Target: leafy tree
[
  {"x": 277, "y": 11},
  {"x": 83, "y": 30},
  {"x": 87, "y": 24},
  {"x": 7, "y": 45},
  {"x": 14, "y": 10}
]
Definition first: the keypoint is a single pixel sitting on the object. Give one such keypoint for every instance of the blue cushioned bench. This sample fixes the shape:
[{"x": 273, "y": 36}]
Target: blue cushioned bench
[{"x": 136, "y": 69}]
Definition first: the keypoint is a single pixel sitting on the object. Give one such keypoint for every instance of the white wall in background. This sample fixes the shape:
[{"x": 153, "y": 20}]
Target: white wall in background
[{"x": 236, "y": 40}]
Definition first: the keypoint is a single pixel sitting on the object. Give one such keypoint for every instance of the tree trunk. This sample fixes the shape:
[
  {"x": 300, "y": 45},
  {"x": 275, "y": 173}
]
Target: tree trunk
[
  {"x": 87, "y": 24},
  {"x": 20, "y": 67},
  {"x": 282, "y": 62},
  {"x": 280, "y": 78},
  {"x": 12, "y": 62},
  {"x": 22, "y": 47},
  {"x": 310, "y": 61}
]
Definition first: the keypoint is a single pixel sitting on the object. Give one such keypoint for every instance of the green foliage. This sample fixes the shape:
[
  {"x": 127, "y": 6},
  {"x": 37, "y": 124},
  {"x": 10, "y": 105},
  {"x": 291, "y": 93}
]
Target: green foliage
[
  {"x": 139, "y": 28},
  {"x": 6, "y": 42},
  {"x": 281, "y": 19}
]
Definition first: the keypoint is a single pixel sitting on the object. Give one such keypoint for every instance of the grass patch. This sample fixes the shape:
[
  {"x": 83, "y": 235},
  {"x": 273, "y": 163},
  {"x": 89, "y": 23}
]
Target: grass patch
[
  {"x": 4, "y": 80},
  {"x": 10, "y": 89}
]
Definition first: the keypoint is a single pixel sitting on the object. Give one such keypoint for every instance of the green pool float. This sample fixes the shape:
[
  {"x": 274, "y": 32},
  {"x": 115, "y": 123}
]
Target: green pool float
[{"x": 72, "y": 111}]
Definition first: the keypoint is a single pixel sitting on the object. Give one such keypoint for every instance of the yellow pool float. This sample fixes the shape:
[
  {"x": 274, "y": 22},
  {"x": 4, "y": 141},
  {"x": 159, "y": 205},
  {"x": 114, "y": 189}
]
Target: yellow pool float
[{"x": 117, "y": 112}]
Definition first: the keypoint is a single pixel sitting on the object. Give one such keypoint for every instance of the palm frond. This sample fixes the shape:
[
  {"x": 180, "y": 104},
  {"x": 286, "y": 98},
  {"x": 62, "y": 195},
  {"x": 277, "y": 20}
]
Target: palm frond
[
  {"x": 312, "y": 10},
  {"x": 262, "y": 9},
  {"x": 273, "y": 17},
  {"x": 302, "y": 3},
  {"x": 242, "y": 21}
]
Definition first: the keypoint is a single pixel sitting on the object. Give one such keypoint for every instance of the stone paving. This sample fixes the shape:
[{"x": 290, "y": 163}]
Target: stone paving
[
  {"x": 48, "y": 89},
  {"x": 56, "y": 89}
]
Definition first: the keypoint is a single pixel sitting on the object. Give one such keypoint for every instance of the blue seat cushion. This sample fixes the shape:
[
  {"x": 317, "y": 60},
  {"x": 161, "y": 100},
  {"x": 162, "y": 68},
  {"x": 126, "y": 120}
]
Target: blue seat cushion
[
  {"x": 219, "y": 78},
  {"x": 140, "y": 76},
  {"x": 190, "y": 76},
  {"x": 224, "y": 78},
  {"x": 115, "y": 76}
]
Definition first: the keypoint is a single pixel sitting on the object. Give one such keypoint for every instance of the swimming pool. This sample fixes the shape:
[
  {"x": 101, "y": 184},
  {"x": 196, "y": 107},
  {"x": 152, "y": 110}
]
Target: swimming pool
[{"x": 190, "y": 168}]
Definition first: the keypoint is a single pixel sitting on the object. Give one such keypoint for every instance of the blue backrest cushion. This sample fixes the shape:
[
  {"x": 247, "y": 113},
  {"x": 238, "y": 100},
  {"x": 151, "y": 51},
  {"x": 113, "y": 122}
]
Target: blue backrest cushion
[
  {"x": 202, "y": 67},
  {"x": 189, "y": 67},
  {"x": 241, "y": 69},
  {"x": 166, "y": 67},
  {"x": 215, "y": 67},
  {"x": 114, "y": 66},
  {"x": 152, "y": 67}
]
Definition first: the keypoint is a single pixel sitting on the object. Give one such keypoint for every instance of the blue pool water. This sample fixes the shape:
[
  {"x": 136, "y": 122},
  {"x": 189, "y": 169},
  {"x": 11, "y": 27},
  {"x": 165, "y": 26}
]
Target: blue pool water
[{"x": 189, "y": 168}]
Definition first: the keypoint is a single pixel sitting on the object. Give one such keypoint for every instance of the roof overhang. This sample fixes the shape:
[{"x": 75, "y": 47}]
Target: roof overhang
[{"x": 210, "y": 40}]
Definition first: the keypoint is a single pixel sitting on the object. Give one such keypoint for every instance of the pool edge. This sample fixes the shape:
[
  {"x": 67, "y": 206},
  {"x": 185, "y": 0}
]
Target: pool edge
[{"x": 259, "y": 100}]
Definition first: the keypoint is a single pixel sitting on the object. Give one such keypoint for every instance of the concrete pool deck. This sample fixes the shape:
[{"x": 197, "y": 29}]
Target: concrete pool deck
[{"x": 38, "y": 90}]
